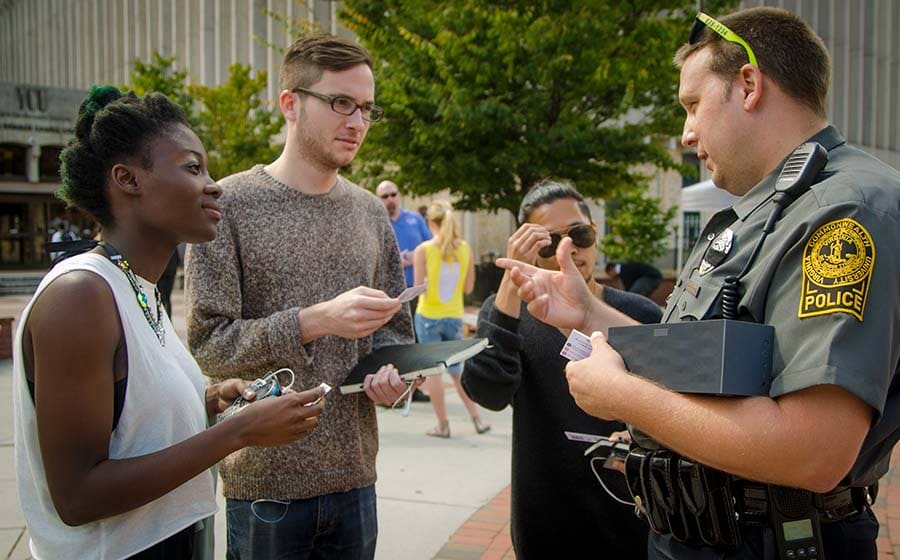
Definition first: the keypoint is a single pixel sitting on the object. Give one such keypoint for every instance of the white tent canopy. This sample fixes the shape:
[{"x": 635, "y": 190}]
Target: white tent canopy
[{"x": 703, "y": 197}]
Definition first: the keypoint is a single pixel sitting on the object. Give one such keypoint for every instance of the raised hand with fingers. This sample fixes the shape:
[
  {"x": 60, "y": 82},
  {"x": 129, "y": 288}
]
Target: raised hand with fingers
[
  {"x": 560, "y": 298},
  {"x": 523, "y": 246},
  {"x": 526, "y": 242}
]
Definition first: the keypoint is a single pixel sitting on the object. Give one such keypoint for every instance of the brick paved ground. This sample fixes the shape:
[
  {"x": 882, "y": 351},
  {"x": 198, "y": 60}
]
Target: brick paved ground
[{"x": 485, "y": 536}]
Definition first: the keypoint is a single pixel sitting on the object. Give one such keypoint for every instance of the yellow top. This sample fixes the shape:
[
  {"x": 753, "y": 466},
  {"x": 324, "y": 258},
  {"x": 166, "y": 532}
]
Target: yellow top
[{"x": 446, "y": 279}]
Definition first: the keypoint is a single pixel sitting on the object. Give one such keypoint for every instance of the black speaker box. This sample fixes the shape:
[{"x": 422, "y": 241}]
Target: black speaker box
[{"x": 716, "y": 357}]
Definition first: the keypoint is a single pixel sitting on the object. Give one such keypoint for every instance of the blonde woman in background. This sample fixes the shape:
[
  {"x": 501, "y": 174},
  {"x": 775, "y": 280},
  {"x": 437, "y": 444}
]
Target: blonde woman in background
[{"x": 446, "y": 263}]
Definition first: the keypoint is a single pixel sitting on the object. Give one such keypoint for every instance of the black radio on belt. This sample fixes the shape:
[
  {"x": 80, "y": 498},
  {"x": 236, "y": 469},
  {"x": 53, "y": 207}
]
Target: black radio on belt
[{"x": 795, "y": 520}]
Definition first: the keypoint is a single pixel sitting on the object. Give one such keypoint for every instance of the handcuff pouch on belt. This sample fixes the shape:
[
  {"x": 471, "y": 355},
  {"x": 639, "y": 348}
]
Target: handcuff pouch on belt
[
  {"x": 665, "y": 485},
  {"x": 691, "y": 502},
  {"x": 637, "y": 473},
  {"x": 707, "y": 494}
]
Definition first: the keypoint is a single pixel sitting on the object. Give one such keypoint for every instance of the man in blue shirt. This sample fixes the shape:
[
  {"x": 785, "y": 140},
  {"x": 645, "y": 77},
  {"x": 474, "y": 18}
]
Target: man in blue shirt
[{"x": 409, "y": 227}]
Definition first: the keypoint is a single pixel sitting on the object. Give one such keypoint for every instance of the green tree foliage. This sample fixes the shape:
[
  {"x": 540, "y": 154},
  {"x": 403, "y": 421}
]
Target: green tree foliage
[
  {"x": 237, "y": 128},
  {"x": 232, "y": 120},
  {"x": 638, "y": 228},
  {"x": 486, "y": 99},
  {"x": 160, "y": 75}
]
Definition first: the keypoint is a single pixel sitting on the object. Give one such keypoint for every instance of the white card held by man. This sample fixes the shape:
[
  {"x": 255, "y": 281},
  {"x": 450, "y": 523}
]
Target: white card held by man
[{"x": 412, "y": 292}]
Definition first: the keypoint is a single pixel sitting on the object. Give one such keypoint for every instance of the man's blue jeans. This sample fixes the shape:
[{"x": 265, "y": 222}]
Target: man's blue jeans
[{"x": 341, "y": 525}]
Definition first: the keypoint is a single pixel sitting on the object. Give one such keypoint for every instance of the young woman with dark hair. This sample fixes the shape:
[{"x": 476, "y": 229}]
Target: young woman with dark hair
[{"x": 112, "y": 449}]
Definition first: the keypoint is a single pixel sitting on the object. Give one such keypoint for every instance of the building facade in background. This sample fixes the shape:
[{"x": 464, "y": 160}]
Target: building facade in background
[
  {"x": 51, "y": 51},
  {"x": 35, "y": 124}
]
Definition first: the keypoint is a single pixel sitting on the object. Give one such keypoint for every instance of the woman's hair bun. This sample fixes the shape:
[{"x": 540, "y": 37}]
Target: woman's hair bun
[
  {"x": 98, "y": 97},
  {"x": 112, "y": 127}
]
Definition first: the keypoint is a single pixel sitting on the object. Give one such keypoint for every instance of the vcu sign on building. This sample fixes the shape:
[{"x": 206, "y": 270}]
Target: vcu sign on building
[{"x": 35, "y": 124}]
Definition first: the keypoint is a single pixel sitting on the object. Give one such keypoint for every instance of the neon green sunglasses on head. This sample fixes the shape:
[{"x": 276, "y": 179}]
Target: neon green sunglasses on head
[{"x": 704, "y": 20}]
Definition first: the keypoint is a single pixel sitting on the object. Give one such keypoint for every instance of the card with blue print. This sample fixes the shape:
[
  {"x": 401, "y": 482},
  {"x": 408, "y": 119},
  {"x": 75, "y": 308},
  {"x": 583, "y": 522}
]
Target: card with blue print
[{"x": 577, "y": 346}]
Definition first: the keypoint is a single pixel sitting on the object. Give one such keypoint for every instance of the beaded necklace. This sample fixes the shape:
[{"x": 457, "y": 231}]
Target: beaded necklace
[{"x": 157, "y": 324}]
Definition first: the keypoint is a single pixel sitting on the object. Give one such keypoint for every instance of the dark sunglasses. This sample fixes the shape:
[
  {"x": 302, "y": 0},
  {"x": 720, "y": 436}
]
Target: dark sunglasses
[
  {"x": 386, "y": 196},
  {"x": 704, "y": 21},
  {"x": 582, "y": 236}
]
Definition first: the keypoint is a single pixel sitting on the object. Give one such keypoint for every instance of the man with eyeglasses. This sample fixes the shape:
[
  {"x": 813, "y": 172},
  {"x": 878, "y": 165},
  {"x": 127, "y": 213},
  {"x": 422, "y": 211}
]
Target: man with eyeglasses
[
  {"x": 790, "y": 474},
  {"x": 303, "y": 275}
]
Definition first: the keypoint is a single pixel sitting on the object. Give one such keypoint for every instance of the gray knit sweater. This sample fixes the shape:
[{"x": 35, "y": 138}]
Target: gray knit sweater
[{"x": 279, "y": 250}]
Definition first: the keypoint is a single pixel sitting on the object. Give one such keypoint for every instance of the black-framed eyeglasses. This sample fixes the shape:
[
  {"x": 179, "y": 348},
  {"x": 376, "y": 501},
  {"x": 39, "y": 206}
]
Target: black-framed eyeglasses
[
  {"x": 343, "y": 105},
  {"x": 582, "y": 235},
  {"x": 386, "y": 196},
  {"x": 704, "y": 20}
]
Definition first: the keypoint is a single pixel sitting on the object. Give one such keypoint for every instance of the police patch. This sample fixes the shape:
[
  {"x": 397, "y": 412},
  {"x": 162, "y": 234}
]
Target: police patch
[{"x": 837, "y": 269}]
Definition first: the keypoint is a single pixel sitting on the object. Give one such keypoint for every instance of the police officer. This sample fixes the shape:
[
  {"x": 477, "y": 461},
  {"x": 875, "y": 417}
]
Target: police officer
[{"x": 754, "y": 86}]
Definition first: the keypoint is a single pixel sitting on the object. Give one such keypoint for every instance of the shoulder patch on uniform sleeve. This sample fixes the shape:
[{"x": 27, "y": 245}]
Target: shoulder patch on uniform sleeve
[{"x": 838, "y": 261}]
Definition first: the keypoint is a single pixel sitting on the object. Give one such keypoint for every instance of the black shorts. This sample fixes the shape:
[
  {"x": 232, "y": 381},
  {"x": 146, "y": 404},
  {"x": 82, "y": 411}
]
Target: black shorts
[{"x": 179, "y": 546}]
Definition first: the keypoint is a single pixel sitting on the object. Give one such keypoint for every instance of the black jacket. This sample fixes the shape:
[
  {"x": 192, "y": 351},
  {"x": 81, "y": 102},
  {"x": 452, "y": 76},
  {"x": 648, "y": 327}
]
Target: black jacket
[{"x": 559, "y": 510}]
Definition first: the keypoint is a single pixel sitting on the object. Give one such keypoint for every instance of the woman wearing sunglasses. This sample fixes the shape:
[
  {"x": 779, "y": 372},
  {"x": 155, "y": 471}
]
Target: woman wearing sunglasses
[{"x": 558, "y": 508}]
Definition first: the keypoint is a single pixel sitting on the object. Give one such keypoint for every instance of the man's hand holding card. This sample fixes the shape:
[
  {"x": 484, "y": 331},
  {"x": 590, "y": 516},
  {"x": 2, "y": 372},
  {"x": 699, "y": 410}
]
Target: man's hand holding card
[{"x": 412, "y": 292}]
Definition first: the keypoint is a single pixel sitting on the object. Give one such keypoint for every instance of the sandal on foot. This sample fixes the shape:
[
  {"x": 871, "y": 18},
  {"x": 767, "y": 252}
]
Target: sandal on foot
[
  {"x": 442, "y": 430},
  {"x": 480, "y": 426}
]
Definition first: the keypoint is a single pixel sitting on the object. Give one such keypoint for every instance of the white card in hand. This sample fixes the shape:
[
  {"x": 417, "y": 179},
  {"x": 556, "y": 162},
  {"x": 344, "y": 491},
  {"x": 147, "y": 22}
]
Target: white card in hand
[
  {"x": 411, "y": 292},
  {"x": 577, "y": 346},
  {"x": 587, "y": 438}
]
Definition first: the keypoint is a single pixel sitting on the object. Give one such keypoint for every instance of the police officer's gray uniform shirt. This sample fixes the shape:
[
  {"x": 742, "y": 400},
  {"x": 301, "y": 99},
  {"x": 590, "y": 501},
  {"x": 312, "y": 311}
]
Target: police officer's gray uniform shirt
[{"x": 827, "y": 279}]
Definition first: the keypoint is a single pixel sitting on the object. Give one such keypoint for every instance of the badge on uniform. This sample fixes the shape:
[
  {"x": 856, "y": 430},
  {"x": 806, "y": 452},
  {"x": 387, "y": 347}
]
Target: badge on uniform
[
  {"x": 717, "y": 251},
  {"x": 838, "y": 261}
]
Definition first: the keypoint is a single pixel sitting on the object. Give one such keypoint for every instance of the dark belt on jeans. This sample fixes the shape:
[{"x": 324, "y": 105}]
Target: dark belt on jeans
[{"x": 839, "y": 504}]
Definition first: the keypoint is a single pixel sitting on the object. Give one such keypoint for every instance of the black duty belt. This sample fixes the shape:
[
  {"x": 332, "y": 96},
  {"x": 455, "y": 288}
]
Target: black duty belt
[
  {"x": 839, "y": 504},
  {"x": 700, "y": 505}
]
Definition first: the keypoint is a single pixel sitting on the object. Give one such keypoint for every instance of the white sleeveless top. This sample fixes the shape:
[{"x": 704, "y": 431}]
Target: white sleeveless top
[{"x": 164, "y": 405}]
